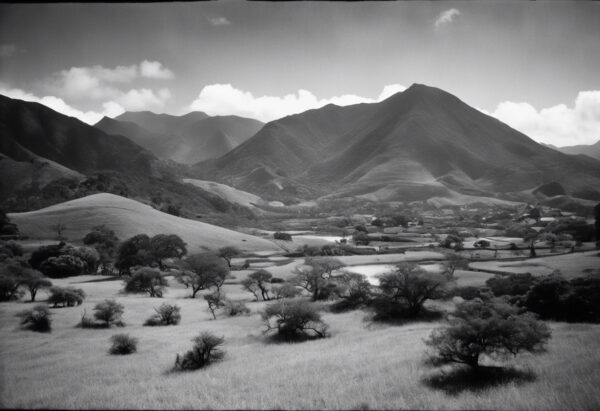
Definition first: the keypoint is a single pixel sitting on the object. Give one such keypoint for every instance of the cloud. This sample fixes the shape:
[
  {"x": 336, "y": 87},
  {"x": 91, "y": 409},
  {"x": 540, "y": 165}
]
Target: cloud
[
  {"x": 219, "y": 21},
  {"x": 558, "y": 125},
  {"x": 154, "y": 69},
  {"x": 143, "y": 99},
  {"x": 100, "y": 83},
  {"x": 446, "y": 17},
  {"x": 110, "y": 108},
  {"x": 7, "y": 50},
  {"x": 224, "y": 99}
]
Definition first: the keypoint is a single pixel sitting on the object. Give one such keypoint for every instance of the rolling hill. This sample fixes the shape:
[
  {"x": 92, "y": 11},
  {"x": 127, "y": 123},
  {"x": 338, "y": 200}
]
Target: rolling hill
[
  {"x": 186, "y": 139},
  {"x": 127, "y": 218},
  {"x": 227, "y": 193},
  {"x": 29, "y": 130},
  {"x": 417, "y": 144},
  {"x": 591, "y": 150}
]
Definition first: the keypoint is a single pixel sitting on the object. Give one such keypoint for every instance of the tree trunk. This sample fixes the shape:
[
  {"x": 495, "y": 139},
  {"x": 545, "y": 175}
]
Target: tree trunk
[{"x": 33, "y": 293}]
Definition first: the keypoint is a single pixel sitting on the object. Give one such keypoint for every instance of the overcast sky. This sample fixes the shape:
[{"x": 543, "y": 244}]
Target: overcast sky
[{"x": 534, "y": 65}]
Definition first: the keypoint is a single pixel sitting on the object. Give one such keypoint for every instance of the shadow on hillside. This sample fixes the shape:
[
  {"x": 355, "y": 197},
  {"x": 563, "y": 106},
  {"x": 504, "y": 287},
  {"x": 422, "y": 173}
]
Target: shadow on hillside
[{"x": 466, "y": 379}]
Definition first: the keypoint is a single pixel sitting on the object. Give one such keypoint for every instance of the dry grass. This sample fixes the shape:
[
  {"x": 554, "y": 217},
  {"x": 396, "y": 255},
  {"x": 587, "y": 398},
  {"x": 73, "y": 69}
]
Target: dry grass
[{"x": 362, "y": 365}]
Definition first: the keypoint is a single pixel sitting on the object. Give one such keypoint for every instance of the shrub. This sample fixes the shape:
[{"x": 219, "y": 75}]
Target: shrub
[
  {"x": 109, "y": 312},
  {"x": 43, "y": 253},
  {"x": 282, "y": 236},
  {"x": 122, "y": 344},
  {"x": 493, "y": 328},
  {"x": 403, "y": 292},
  {"x": 63, "y": 266},
  {"x": 354, "y": 291},
  {"x": 10, "y": 271},
  {"x": 315, "y": 276},
  {"x": 89, "y": 256},
  {"x": 215, "y": 301},
  {"x": 286, "y": 291},
  {"x": 277, "y": 280},
  {"x": 36, "y": 319},
  {"x": 146, "y": 280},
  {"x": 294, "y": 319},
  {"x": 512, "y": 284},
  {"x": 235, "y": 308},
  {"x": 166, "y": 314},
  {"x": 66, "y": 296},
  {"x": 203, "y": 271},
  {"x": 206, "y": 350},
  {"x": 471, "y": 292},
  {"x": 10, "y": 249}
]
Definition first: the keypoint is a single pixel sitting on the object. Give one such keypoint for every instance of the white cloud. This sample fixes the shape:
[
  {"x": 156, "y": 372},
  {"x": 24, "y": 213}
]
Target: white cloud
[
  {"x": 155, "y": 69},
  {"x": 219, "y": 21},
  {"x": 558, "y": 125},
  {"x": 446, "y": 17},
  {"x": 7, "y": 50},
  {"x": 224, "y": 99},
  {"x": 143, "y": 99},
  {"x": 110, "y": 109}
]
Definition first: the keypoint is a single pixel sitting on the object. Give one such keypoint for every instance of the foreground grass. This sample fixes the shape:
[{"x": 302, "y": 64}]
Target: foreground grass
[{"x": 363, "y": 365}]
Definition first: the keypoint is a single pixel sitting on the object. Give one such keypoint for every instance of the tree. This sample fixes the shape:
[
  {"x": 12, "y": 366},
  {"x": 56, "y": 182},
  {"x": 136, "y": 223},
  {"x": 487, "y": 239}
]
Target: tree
[
  {"x": 511, "y": 285},
  {"x": 316, "y": 275},
  {"x": 354, "y": 291},
  {"x": 531, "y": 237},
  {"x": 452, "y": 241},
  {"x": 206, "y": 350},
  {"x": 166, "y": 314},
  {"x": 286, "y": 291},
  {"x": 44, "y": 252},
  {"x": 258, "y": 281},
  {"x": 134, "y": 251},
  {"x": 105, "y": 242},
  {"x": 10, "y": 249},
  {"x": 36, "y": 319},
  {"x": 146, "y": 280},
  {"x": 6, "y": 227},
  {"x": 202, "y": 271},
  {"x": 109, "y": 312},
  {"x": 88, "y": 255},
  {"x": 10, "y": 271},
  {"x": 66, "y": 296},
  {"x": 454, "y": 261},
  {"x": 227, "y": 253},
  {"x": 293, "y": 319},
  {"x": 64, "y": 265},
  {"x": 33, "y": 280},
  {"x": 404, "y": 291},
  {"x": 493, "y": 328},
  {"x": 215, "y": 301},
  {"x": 165, "y": 246}
]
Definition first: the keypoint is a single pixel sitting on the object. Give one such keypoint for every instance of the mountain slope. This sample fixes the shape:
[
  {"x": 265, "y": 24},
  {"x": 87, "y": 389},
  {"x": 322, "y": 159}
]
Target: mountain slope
[
  {"x": 591, "y": 150},
  {"x": 30, "y": 129},
  {"x": 187, "y": 139},
  {"x": 417, "y": 144},
  {"x": 127, "y": 218}
]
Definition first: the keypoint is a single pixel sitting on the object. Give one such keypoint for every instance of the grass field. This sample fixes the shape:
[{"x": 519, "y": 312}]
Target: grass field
[{"x": 363, "y": 365}]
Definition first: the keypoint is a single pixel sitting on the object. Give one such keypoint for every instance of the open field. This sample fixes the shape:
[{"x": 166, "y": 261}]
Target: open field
[
  {"x": 362, "y": 365},
  {"x": 127, "y": 218}
]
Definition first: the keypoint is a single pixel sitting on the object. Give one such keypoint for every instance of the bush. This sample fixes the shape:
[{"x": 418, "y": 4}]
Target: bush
[
  {"x": 36, "y": 319},
  {"x": 10, "y": 271},
  {"x": 45, "y": 252},
  {"x": 286, "y": 291},
  {"x": 146, "y": 280},
  {"x": 89, "y": 256},
  {"x": 215, "y": 301},
  {"x": 354, "y": 291},
  {"x": 109, "y": 312},
  {"x": 122, "y": 344},
  {"x": 471, "y": 292},
  {"x": 235, "y": 308},
  {"x": 282, "y": 236},
  {"x": 206, "y": 350},
  {"x": 166, "y": 314},
  {"x": 64, "y": 265},
  {"x": 512, "y": 284},
  {"x": 66, "y": 296},
  {"x": 10, "y": 249},
  {"x": 403, "y": 292},
  {"x": 294, "y": 320},
  {"x": 491, "y": 328}
]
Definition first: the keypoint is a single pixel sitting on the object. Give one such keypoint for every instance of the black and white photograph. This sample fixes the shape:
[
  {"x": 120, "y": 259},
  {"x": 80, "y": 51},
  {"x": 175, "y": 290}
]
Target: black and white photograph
[{"x": 300, "y": 205}]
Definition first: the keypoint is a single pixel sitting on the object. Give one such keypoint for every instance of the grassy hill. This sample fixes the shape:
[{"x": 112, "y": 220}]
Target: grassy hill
[
  {"x": 226, "y": 192},
  {"x": 127, "y": 218}
]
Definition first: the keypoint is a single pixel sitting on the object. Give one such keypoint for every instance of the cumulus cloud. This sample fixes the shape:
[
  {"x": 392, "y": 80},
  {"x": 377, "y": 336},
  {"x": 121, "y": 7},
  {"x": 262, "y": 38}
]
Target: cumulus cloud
[
  {"x": 143, "y": 99},
  {"x": 219, "y": 21},
  {"x": 446, "y": 17},
  {"x": 155, "y": 69},
  {"x": 224, "y": 99},
  {"x": 7, "y": 50},
  {"x": 110, "y": 109},
  {"x": 559, "y": 125}
]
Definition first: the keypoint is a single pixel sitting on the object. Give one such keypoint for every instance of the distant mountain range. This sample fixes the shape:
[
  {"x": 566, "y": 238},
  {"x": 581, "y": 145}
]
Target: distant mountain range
[
  {"x": 185, "y": 139},
  {"x": 591, "y": 150},
  {"x": 417, "y": 144}
]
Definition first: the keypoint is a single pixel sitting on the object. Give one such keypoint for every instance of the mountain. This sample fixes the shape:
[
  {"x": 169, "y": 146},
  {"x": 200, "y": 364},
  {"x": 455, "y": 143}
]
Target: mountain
[
  {"x": 29, "y": 130},
  {"x": 591, "y": 150},
  {"x": 127, "y": 218},
  {"x": 186, "y": 139},
  {"x": 417, "y": 144}
]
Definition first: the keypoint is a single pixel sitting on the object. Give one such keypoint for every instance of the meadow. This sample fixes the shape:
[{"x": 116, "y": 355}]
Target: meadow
[{"x": 363, "y": 365}]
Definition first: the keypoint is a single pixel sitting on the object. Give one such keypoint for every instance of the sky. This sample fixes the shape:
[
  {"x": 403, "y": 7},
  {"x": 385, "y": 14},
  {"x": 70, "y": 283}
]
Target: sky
[{"x": 533, "y": 65}]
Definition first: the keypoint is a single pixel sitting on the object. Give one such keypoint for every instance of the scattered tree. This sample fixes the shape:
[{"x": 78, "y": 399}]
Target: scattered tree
[
  {"x": 235, "y": 308},
  {"x": 203, "y": 271},
  {"x": 258, "y": 282},
  {"x": 491, "y": 328},
  {"x": 227, "y": 253},
  {"x": 166, "y": 314},
  {"x": 64, "y": 265},
  {"x": 134, "y": 251},
  {"x": 454, "y": 261},
  {"x": 122, "y": 344},
  {"x": 43, "y": 253},
  {"x": 109, "y": 312},
  {"x": 66, "y": 296},
  {"x": 294, "y": 319},
  {"x": 215, "y": 301},
  {"x": 34, "y": 281},
  {"x": 511, "y": 285},
  {"x": 354, "y": 291},
  {"x": 286, "y": 291},
  {"x": 206, "y": 350},
  {"x": 163, "y": 246},
  {"x": 146, "y": 280},
  {"x": 105, "y": 242}
]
